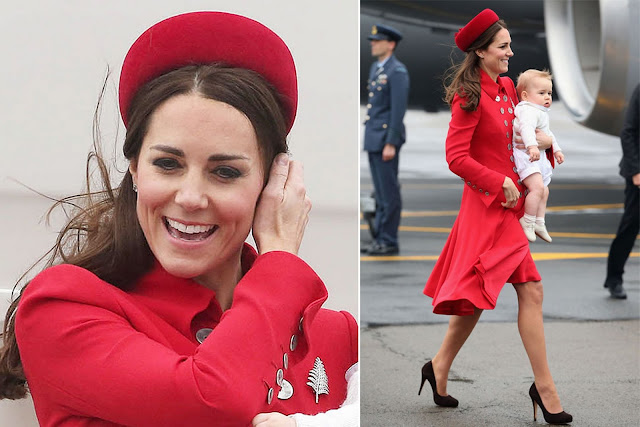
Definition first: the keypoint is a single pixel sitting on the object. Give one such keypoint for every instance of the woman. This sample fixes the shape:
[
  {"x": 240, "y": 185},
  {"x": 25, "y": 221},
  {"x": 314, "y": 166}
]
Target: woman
[
  {"x": 156, "y": 312},
  {"x": 487, "y": 247}
]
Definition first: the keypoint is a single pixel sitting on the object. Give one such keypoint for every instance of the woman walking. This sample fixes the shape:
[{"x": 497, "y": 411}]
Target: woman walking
[{"x": 487, "y": 247}]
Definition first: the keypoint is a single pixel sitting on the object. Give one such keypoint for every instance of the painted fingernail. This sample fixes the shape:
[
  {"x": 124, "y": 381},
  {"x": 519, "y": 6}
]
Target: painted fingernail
[{"x": 283, "y": 159}]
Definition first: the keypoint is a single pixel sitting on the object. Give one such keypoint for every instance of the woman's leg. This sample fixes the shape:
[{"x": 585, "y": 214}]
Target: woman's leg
[
  {"x": 532, "y": 333},
  {"x": 460, "y": 328}
]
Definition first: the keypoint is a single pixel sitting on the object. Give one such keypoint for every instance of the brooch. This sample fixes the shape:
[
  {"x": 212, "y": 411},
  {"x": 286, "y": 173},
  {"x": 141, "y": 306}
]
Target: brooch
[{"x": 318, "y": 380}]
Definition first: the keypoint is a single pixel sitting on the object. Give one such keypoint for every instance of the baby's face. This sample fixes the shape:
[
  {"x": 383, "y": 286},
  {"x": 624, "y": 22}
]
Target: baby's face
[{"x": 538, "y": 91}]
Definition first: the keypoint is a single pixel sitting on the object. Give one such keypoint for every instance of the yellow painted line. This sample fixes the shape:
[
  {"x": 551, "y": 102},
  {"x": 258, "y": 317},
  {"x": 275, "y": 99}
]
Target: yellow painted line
[
  {"x": 546, "y": 256},
  {"x": 585, "y": 207},
  {"x": 412, "y": 214},
  {"x": 400, "y": 258},
  {"x": 583, "y": 235},
  {"x": 537, "y": 256},
  {"x": 425, "y": 229},
  {"x": 420, "y": 214},
  {"x": 431, "y": 186},
  {"x": 552, "y": 234}
]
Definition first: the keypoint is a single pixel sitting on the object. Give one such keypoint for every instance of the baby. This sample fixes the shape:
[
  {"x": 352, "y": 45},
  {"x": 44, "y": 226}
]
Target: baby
[{"x": 534, "y": 167}]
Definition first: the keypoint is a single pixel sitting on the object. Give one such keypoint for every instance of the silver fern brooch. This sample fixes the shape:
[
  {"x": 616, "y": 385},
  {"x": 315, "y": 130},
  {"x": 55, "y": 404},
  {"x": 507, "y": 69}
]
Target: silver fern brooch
[{"x": 318, "y": 379}]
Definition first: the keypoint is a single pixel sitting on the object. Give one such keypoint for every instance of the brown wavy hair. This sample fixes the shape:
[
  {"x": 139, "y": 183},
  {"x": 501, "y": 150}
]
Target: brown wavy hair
[
  {"x": 102, "y": 233},
  {"x": 464, "y": 78}
]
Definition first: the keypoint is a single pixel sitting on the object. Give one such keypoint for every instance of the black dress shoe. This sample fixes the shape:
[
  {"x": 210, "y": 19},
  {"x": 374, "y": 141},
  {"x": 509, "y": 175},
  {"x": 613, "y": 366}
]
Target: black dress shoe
[
  {"x": 364, "y": 247},
  {"x": 382, "y": 249},
  {"x": 617, "y": 291}
]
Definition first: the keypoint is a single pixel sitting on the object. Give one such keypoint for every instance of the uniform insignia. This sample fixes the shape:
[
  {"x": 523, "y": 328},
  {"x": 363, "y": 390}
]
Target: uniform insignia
[
  {"x": 382, "y": 79},
  {"x": 318, "y": 380},
  {"x": 286, "y": 391},
  {"x": 374, "y": 30}
]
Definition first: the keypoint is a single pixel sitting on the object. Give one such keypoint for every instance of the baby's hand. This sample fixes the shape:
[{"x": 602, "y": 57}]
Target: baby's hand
[
  {"x": 273, "y": 419},
  {"x": 534, "y": 153},
  {"x": 559, "y": 157}
]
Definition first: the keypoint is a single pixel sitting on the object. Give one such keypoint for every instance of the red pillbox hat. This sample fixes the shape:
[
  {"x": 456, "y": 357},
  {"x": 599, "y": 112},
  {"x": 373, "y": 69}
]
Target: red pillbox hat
[
  {"x": 478, "y": 25},
  {"x": 204, "y": 38}
]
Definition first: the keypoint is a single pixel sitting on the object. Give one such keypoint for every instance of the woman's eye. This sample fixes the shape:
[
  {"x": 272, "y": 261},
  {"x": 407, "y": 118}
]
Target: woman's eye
[
  {"x": 166, "y": 164},
  {"x": 227, "y": 172}
]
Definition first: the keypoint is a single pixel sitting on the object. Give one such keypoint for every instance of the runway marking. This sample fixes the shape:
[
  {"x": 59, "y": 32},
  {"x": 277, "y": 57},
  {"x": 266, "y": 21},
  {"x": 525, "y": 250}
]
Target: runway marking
[
  {"x": 446, "y": 230},
  {"x": 537, "y": 256},
  {"x": 576, "y": 208},
  {"x": 457, "y": 185},
  {"x": 585, "y": 207}
]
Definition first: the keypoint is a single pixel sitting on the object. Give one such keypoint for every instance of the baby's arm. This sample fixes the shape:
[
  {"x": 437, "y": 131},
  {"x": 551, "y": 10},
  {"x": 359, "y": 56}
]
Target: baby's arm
[
  {"x": 528, "y": 121},
  {"x": 557, "y": 151}
]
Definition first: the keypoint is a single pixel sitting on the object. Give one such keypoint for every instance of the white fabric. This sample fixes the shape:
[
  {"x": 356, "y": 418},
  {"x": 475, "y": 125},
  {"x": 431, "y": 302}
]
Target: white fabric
[
  {"x": 347, "y": 415},
  {"x": 530, "y": 117}
]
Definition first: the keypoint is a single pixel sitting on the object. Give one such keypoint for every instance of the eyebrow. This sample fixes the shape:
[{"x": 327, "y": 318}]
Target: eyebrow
[{"x": 212, "y": 158}]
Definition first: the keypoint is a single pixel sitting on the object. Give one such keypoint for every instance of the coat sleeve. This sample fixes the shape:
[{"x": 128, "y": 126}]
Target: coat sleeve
[
  {"x": 461, "y": 131},
  {"x": 399, "y": 94},
  {"x": 630, "y": 138},
  {"x": 76, "y": 340}
]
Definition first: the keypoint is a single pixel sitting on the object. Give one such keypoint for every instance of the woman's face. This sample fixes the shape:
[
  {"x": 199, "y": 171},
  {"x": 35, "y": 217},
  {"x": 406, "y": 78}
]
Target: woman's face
[
  {"x": 199, "y": 175},
  {"x": 495, "y": 58}
]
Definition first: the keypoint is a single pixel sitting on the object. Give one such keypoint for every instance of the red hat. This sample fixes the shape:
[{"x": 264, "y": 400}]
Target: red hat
[
  {"x": 207, "y": 37},
  {"x": 478, "y": 25}
]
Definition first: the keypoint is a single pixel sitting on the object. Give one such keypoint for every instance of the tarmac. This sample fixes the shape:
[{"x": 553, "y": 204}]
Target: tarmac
[{"x": 593, "y": 341}]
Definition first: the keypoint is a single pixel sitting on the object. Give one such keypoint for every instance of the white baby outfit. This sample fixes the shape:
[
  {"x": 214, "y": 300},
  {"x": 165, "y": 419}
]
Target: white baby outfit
[{"x": 530, "y": 117}]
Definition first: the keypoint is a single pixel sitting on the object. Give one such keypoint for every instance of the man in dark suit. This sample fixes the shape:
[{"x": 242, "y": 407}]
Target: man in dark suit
[
  {"x": 630, "y": 222},
  {"x": 384, "y": 134}
]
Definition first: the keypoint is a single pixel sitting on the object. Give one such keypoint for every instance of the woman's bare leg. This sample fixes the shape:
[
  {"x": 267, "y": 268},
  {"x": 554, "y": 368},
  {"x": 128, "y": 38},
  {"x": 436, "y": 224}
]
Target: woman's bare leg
[
  {"x": 460, "y": 328},
  {"x": 531, "y": 329}
]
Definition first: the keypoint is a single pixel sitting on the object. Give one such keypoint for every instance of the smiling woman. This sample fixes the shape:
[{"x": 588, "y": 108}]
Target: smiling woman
[{"x": 153, "y": 309}]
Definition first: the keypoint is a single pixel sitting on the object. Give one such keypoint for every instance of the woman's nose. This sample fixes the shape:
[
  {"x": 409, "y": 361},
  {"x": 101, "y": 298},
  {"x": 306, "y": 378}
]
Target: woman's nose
[{"x": 191, "y": 195}]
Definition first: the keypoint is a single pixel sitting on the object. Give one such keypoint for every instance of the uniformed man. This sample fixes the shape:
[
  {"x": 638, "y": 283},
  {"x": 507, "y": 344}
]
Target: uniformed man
[{"x": 384, "y": 134}]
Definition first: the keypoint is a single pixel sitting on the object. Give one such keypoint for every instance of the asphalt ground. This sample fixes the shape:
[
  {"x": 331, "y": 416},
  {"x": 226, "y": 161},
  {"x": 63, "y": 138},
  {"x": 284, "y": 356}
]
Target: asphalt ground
[{"x": 593, "y": 341}]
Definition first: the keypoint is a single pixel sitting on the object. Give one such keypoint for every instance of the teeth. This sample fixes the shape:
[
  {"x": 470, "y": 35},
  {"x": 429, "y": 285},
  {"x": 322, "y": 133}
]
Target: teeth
[{"x": 189, "y": 229}]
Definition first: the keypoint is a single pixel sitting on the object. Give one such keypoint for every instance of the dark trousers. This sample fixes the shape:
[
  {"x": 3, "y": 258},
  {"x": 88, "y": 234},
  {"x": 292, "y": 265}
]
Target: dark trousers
[
  {"x": 388, "y": 201},
  {"x": 626, "y": 235}
]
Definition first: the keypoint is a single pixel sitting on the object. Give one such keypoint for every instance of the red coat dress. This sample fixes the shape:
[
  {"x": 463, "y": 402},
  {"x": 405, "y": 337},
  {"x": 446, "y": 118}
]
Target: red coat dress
[
  {"x": 486, "y": 247},
  {"x": 95, "y": 355}
]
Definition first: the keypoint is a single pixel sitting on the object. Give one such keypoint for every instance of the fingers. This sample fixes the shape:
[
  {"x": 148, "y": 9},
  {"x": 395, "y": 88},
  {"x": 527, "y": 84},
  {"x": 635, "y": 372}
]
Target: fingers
[
  {"x": 278, "y": 175},
  {"x": 282, "y": 213},
  {"x": 511, "y": 193}
]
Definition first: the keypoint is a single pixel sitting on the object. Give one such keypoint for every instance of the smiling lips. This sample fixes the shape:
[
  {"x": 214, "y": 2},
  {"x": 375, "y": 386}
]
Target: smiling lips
[{"x": 189, "y": 232}]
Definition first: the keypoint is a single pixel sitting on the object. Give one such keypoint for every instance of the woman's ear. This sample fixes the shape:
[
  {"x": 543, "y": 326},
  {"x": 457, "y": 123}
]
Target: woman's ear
[
  {"x": 133, "y": 170},
  {"x": 480, "y": 53}
]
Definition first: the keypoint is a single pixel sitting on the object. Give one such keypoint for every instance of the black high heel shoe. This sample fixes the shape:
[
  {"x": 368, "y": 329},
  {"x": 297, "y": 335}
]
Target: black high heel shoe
[
  {"x": 559, "y": 418},
  {"x": 428, "y": 374}
]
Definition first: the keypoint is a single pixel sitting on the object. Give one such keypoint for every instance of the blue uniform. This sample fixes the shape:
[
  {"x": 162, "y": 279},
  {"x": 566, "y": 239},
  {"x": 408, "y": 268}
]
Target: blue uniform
[{"x": 388, "y": 94}]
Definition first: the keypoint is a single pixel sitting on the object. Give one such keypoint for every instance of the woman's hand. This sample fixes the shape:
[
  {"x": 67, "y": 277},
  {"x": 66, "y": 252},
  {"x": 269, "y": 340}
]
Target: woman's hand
[
  {"x": 283, "y": 209},
  {"x": 511, "y": 193},
  {"x": 544, "y": 141},
  {"x": 273, "y": 419},
  {"x": 534, "y": 153}
]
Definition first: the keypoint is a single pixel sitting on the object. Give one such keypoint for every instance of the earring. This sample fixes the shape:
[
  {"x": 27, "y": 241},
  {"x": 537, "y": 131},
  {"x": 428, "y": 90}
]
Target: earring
[{"x": 135, "y": 188}]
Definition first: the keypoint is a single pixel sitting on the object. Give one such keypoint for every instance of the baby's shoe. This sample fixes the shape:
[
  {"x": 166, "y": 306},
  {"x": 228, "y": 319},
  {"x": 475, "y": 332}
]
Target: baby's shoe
[
  {"x": 541, "y": 231},
  {"x": 529, "y": 229}
]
